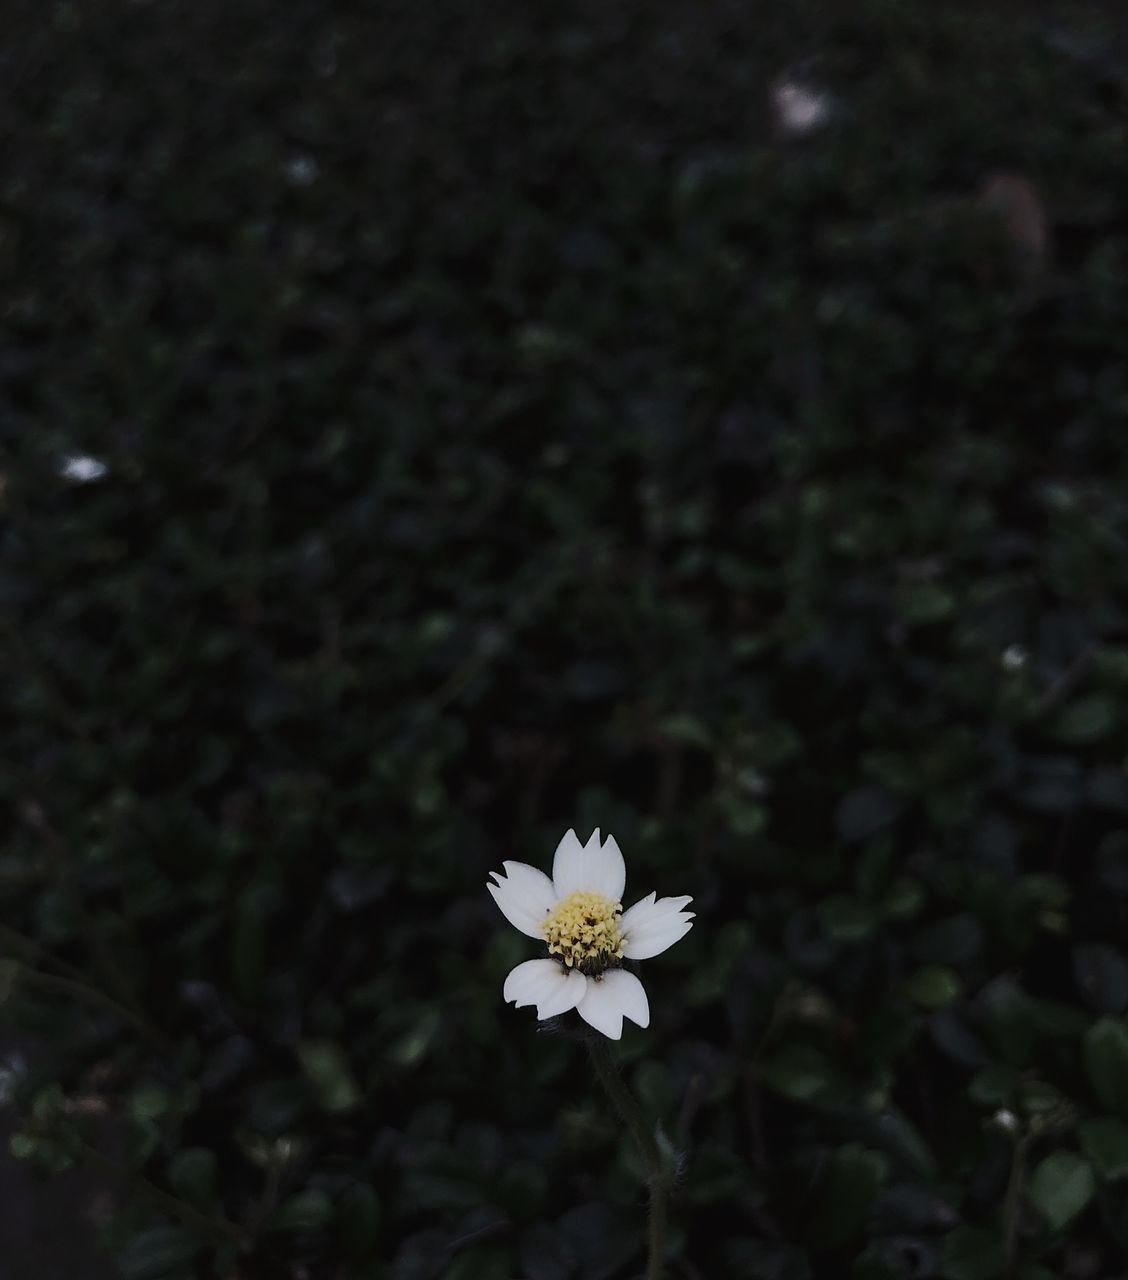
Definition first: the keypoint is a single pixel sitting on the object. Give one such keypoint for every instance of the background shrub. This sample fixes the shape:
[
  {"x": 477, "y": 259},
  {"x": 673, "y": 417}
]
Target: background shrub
[{"x": 505, "y": 427}]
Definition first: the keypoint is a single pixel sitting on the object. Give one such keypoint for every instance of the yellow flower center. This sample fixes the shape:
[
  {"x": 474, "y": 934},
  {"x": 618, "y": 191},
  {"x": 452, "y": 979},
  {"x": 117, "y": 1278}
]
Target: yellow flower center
[{"x": 583, "y": 930}]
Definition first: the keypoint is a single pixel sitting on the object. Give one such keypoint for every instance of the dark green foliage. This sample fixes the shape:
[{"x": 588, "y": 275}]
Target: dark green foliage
[{"x": 507, "y": 429}]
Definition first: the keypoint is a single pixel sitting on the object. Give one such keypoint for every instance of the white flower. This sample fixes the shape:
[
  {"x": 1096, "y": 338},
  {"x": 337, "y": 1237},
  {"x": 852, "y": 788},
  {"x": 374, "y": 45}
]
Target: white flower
[
  {"x": 82, "y": 469},
  {"x": 579, "y": 914},
  {"x": 1014, "y": 658},
  {"x": 799, "y": 108}
]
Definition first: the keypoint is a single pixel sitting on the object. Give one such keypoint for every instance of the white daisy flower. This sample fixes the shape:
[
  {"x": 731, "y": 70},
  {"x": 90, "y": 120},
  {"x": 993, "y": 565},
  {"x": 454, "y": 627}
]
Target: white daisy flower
[{"x": 579, "y": 914}]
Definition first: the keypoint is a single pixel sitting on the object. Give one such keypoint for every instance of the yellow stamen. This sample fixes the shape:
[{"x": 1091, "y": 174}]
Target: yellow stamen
[{"x": 583, "y": 930}]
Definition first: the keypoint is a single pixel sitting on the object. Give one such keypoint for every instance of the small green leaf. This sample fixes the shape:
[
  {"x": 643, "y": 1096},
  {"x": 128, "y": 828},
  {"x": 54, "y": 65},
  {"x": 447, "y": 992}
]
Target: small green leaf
[
  {"x": 1085, "y": 721},
  {"x": 846, "y": 919},
  {"x": 358, "y": 1219},
  {"x": 545, "y": 1254},
  {"x": 800, "y": 1072},
  {"x": 904, "y": 899},
  {"x": 925, "y": 602},
  {"x": 1006, "y": 1015},
  {"x": 1105, "y": 1141},
  {"x": 149, "y": 1102},
  {"x": 306, "y": 1210},
  {"x": 933, "y": 987},
  {"x": 972, "y": 1253},
  {"x": 865, "y": 812},
  {"x": 192, "y": 1173},
  {"x": 415, "y": 1044},
  {"x": 9, "y": 976},
  {"x": 895, "y": 1133},
  {"x": 845, "y": 1194},
  {"x": 870, "y": 1265},
  {"x": 1106, "y": 1062},
  {"x": 156, "y": 1252},
  {"x": 1063, "y": 1184},
  {"x": 1102, "y": 976},
  {"x": 994, "y": 1086},
  {"x": 1036, "y": 1097},
  {"x": 687, "y": 728},
  {"x": 330, "y": 1075},
  {"x": 21, "y": 1146}
]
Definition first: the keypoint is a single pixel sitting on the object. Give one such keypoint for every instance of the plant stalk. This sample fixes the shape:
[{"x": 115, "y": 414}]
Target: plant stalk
[
  {"x": 1012, "y": 1206},
  {"x": 630, "y": 1112}
]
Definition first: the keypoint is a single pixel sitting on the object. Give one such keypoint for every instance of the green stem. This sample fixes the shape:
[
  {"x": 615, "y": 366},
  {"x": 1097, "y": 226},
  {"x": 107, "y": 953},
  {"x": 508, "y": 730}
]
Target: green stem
[
  {"x": 218, "y": 1230},
  {"x": 630, "y": 1112},
  {"x": 1012, "y": 1206},
  {"x": 55, "y": 984}
]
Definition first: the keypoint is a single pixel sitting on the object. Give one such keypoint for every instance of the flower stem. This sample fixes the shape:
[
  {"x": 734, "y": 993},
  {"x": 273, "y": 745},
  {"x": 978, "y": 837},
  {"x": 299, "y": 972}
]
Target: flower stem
[
  {"x": 58, "y": 985},
  {"x": 1012, "y": 1206},
  {"x": 630, "y": 1112},
  {"x": 219, "y": 1231}
]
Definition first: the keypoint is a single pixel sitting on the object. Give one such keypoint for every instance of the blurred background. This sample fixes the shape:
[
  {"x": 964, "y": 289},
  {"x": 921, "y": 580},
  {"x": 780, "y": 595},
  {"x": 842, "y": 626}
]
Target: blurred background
[{"x": 426, "y": 427}]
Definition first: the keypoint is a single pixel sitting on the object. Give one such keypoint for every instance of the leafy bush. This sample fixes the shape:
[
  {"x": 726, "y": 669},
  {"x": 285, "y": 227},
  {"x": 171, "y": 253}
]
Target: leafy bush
[{"x": 507, "y": 428}]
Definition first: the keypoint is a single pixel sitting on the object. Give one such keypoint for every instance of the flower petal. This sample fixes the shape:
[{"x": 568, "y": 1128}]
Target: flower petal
[
  {"x": 608, "y": 869},
  {"x": 547, "y": 984},
  {"x": 590, "y": 867},
  {"x": 568, "y": 865},
  {"x": 650, "y": 927},
  {"x": 609, "y": 999},
  {"x": 524, "y": 895}
]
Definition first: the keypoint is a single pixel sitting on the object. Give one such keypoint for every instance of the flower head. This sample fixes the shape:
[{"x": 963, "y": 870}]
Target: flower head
[{"x": 579, "y": 915}]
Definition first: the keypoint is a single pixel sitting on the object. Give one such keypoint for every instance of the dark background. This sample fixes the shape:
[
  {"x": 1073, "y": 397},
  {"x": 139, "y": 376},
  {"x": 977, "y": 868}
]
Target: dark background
[{"x": 506, "y": 423}]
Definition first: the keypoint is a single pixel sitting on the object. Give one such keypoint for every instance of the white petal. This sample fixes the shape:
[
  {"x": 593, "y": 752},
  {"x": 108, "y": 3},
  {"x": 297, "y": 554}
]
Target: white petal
[
  {"x": 609, "y": 999},
  {"x": 589, "y": 867},
  {"x": 568, "y": 865},
  {"x": 650, "y": 927},
  {"x": 547, "y": 984},
  {"x": 525, "y": 896},
  {"x": 609, "y": 871}
]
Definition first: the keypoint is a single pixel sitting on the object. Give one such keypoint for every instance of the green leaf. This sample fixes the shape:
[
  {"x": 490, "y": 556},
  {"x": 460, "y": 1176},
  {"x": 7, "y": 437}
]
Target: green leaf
[
  {"x": 157, "y": 1252},
  {"x": 414, "y": 1045},
  {"x": 1037, "y": 1096},
  {"x": 994, "y": 1086},
  {"x": 330, "y": 1075},
  {"x": 1062, "y": 1185},
  {"x": 248, "y": 942},
  {"x": 800, "y": 1072},
  {"x": 846, "y": 919},
  {"x": 971, "y": 1253},
  {"x": 925, "y": 602},
  {"x": 687, "y": 728},
  {"x": 545, "y": 1254},
  {"x": 1102, "y": 976},
  {"x": 21, "y": 1146},
  {"x": 870, "y": 1265},
  {"x": 933, "y": 987},
  {"x": 895, "y": 1133},
  {"x": 306, "y": 1210},
  {"x": 149, "y": 1102},
  {"x": 1105, "y": 1142},
  {"x": 745, "y": 817},
  {"x": 864, "y": 812},
  {"x": 358, "y": 1219},
  {"x": 1085, "y": 721},
  {"x": 192, "y": 1174},
  {"x": 485, "y": 1262},
  {"x": 1106, "y": 1061},
  {"x": 1006, "y": 1015},
  {"x": 845, "y": 1194},
  {"x": 9, "y": 976},
  {"x": 955, "y": 940},
  {"x": 904, "y": 898}
]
